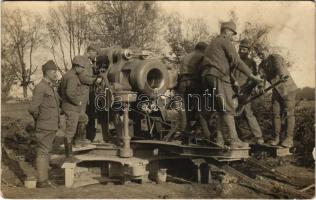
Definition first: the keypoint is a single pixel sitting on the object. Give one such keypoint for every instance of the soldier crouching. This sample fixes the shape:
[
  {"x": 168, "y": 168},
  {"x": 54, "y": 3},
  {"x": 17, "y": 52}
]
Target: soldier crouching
[{"x": 44, "y": 107}]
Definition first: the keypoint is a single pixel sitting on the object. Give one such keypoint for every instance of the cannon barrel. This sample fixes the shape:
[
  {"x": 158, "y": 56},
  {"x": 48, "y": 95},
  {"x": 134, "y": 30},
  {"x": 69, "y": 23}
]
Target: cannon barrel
[{"x": 136, "y": 71}]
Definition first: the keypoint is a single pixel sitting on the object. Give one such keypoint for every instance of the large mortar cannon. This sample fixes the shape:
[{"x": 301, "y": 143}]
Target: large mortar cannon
[
  {"x": 130, "y": 76},
  {"x": 137, "y": 71}
]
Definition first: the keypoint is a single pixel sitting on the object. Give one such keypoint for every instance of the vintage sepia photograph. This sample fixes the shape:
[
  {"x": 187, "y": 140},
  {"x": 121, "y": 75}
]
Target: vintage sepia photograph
[{"x": 158, "y": 99}]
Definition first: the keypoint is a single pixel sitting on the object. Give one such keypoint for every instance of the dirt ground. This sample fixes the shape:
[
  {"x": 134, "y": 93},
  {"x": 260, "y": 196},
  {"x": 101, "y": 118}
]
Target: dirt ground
[{"x": 12, "y": 187}]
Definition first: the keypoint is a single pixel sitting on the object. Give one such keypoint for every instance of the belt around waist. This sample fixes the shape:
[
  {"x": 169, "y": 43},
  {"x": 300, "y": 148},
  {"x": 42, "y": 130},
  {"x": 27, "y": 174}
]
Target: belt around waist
[{"x": 220, "y": 75}]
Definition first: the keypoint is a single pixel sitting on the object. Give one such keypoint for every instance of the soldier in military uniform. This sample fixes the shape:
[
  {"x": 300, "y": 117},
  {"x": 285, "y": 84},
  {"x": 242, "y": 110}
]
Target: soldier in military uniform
[
  {"x": 220, "y": 59},
  {"x": 243, "y": 81},
  {"x": 72, "y": 98},
  {"x": 189, "y": 82},
  {"x": 44, "y": 107},
  {"x": 273, "y": 68},
  {"x": 87, "y": 79}
]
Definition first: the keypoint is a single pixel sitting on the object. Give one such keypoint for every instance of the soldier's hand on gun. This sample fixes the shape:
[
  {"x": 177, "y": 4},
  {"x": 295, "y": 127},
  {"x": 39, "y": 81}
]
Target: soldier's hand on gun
[
  {"x": 284, "y": 77},
  {"x": 98, "y": 80},
  {"x": 259, "y": 90},
  {"x": 257, "y": 78}
]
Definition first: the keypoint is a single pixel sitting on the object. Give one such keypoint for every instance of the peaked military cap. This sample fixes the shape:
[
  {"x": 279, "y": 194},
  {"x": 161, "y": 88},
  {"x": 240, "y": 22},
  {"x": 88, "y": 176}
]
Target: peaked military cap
[
  {"x": 80, "y": 60},
  {"x": 259, "y": 48},
  {"x": 245, "y": 43},
  {"x": 229, "y": 25},
  {"x": 49, "y": 65},
  {"x": 94, "y": 46}
]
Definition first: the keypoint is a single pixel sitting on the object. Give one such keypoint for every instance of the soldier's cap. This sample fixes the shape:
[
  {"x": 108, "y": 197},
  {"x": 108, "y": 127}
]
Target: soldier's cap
[
  {"x": 245, "y": 43},
  {"x": 80, "y": 61},
  {"x": 94, "y": 46},
  {"x": 259, "y": 48},
  {"x": 49, "y": 65},
  {"x": 229, "y": 25},
  {"x": 200, "y": 46}
]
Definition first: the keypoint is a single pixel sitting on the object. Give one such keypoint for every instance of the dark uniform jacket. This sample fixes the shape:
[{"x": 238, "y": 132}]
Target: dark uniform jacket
[
  {"x": 70, "y": 92},
  {"x": 242, "y": 78},
  {"x": 44, "y": 106},
  {"x": 274, "y": 66},
  {"x": 87, "y": 79},
  {"x": 221, "y": 58},
  {"x": 190, "y": 65}
]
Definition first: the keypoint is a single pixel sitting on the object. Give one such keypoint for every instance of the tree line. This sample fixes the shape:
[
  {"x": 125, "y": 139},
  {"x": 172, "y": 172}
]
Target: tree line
[{"x": 68, "y": 28}]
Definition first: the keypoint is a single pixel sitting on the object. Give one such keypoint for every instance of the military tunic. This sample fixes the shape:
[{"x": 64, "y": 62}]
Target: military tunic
[
  {"x": 87, "y": 80},
  {"x": 272, "y": 67},
  {"x": 248, "y": 113},
  {"x": 189, "y": 83},
  {"x": 283, "y": 96},
  {"x": 44, "y": 107},
  {"x": 72, "y": 98},
  {"x": 242, "y": 78},
  {"x": 220, "y": 59}
]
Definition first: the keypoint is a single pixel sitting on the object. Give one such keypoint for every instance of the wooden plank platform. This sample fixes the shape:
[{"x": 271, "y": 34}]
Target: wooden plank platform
[
  {"x": 177, "y": 148},
  {"x": 269, "y": 150},
  {"x": 125, "y": 168}
]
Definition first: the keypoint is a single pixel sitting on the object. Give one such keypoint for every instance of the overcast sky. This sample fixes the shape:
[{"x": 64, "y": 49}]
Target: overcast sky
[{"x": 293, "y": 25}]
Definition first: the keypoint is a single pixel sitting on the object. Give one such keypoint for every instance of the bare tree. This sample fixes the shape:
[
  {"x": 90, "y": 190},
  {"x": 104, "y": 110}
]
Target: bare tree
[
  {"x": 125, "y": 23},
  {"x": 8, "y": 71},
  {"x": 183, "y": 34},
  {"x": 23, "y": 34},
  {"x": 256, "y": 34},
  {"x": 68, "y": 27}
]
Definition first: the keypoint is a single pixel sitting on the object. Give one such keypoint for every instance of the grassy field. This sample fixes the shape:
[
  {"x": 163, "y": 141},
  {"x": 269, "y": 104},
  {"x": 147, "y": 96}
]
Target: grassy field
[{"x": 15, "y": 110}]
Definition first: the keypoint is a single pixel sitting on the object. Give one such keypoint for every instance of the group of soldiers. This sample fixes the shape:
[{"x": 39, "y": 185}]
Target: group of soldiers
[
  {"x": 213, "y": 66},
  {"x": 71, "y": 98},
  {"x": 219, "y": 67}
]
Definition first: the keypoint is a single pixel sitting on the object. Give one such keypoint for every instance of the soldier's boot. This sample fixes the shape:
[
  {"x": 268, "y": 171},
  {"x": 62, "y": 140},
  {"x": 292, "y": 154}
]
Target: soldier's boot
[
  {"x": 220, "y": 138},
  {"x": 229, "y": 128},
  {"x": 219, "y": 134},
  {"x": 277, "y": 129},
  {"x": 80, "y": 138},
  {"x": 204, "y": 126},
  {"x": 290, "y": 123},
  {"x": 68, "y": 148},
  {"x": 42, "y": 166},
  {"x": 259, "y": 140},
  {"x": 68, "y": 151}
]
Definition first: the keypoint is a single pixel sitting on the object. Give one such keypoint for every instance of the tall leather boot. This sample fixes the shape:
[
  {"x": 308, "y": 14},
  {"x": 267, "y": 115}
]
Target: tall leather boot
[
  {"x": 290, "y": 123},
  {"x": 80, "y": 137},
  {"x": 68, "y": 151},
  {"x": 68, "y": 148},
  {"x": 229, "y": 128},
  {"x": 277, "y": 129},
  {"x": 42, "y": 166},
  {"x": 204, "y": 126},
  {"x": 219, "y": 133}
]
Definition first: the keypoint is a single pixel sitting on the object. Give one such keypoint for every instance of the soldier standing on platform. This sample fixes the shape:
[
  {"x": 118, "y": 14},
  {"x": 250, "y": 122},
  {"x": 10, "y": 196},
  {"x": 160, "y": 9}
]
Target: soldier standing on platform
[
  {"x": 189, "y": 84},
  {"x": 44, "y": 107},
  {"x": 273, "y": 68},
  {"x": 220, "y": 59},
  {"x": 72, "y": 98},
  {"x": 243, "y": 80},
  {"x": 88, "y": 79}
]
